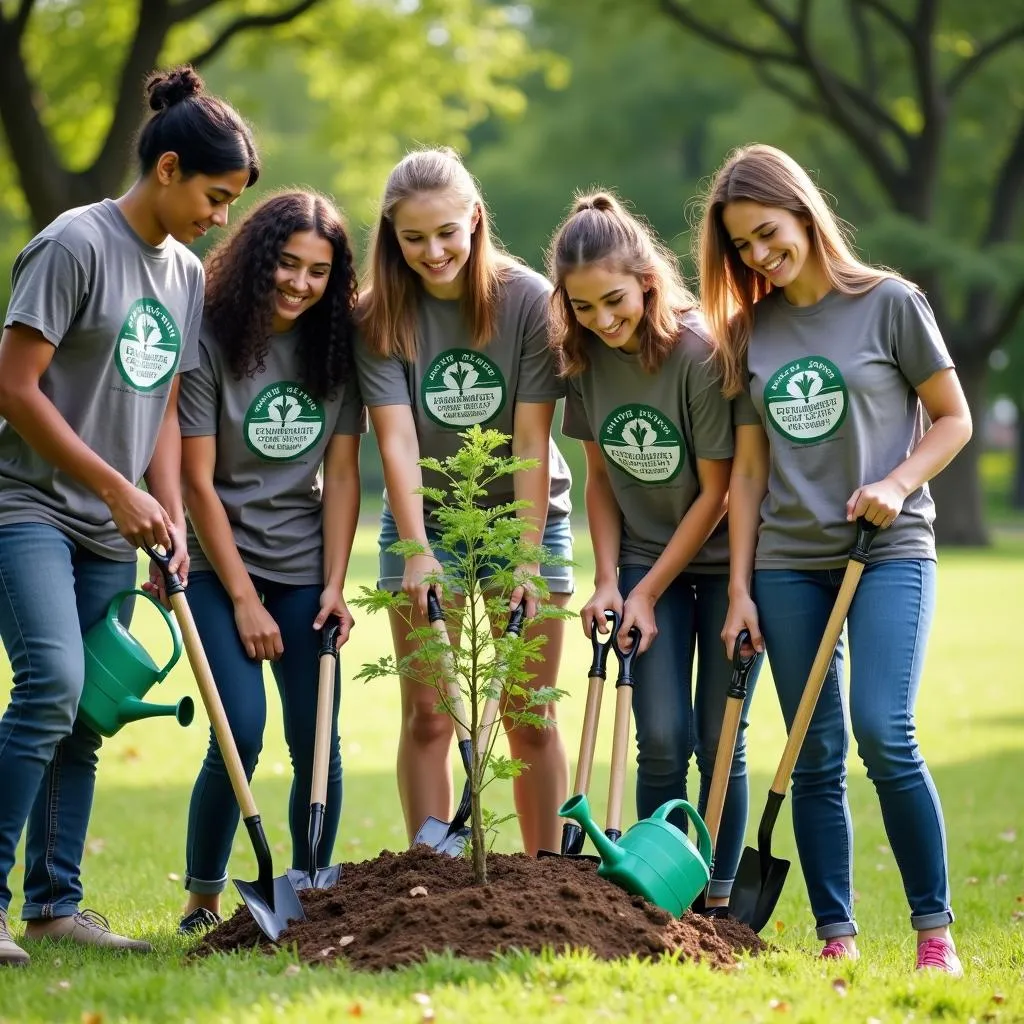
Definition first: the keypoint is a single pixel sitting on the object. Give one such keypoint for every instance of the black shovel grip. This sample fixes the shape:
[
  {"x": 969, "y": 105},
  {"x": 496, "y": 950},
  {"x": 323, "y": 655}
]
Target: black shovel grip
[
  {"x": 516, "y": 620},
  {"x": 172, "y": 581},
  {"x": 329, "y": 636},
  {"x": 866, "y": 533},
  {"x": 626, "y": 658},
  {"x": 599, "y": 666},
  {"x": 434, "y": 613},
  {"x": 741, "y": 666}
]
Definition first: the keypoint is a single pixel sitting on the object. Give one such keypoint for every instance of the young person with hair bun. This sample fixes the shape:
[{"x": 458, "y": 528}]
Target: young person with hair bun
[
  {"x": 838, "y": 366},
  {"x": 644, "y": 398},
  {"x": 273, "y": 400},
  {"x": 104, "y": 315},
  {"x": 454, "y": 332}
]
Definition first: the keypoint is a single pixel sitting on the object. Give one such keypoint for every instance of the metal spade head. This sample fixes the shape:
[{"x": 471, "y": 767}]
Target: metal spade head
[
  {"x": 445, "y": 837},
  {"x": 272, "y": 915}
]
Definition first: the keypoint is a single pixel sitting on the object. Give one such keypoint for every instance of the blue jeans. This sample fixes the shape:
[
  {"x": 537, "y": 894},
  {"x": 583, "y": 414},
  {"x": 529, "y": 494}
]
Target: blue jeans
[
  {"x": 51, "y": 592},
  {"x": 887, "y": 627},
  {"x": 557, "y": 539},
  {"x": 213, "y": 812},
  {"x": 675, "y": 720}
]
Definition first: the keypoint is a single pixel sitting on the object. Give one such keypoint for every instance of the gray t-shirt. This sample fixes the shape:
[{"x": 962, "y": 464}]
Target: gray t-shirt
[
  {"x": 451, "y": 386},
  {"x": 271, "y": 439},
  {"x": 123, "y": 317},
  {"x": 834, "y": 385},
  {"x": 651, "y": 429}
]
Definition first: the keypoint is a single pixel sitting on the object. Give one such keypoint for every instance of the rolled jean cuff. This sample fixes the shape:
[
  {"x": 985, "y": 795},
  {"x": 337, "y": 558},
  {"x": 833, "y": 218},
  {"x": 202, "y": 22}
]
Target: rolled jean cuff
[
  {"x": 834, "y": 931},
  {"x": 200, "y": 885},
  {"x": 48, "y": 912},
  {"x": 922, "y": 922},
  {"x": 720, "y": 888}
]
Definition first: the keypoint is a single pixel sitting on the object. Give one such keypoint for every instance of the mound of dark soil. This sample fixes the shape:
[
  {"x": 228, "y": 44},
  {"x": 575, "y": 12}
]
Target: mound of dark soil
[{"x": 373, "y": 920}]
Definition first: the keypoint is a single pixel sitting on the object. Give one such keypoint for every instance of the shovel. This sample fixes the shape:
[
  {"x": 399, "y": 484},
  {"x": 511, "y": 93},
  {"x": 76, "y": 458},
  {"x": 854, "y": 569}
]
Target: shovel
[
  {"x": 760, "y": 877},
  {"x": 314, "y": 877},
  {"x": 621, "y": 732},
  {"x": 451, "y": 837},
  {"x": 272, "y": 901},
  {"x": 742, "y": 666}
]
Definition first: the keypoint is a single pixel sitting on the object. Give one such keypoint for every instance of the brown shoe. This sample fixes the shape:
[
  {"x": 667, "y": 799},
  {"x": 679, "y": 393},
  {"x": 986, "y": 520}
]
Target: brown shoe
[
  {"x": 86, "y": 928},
  {"x": 11, "y": 954}
]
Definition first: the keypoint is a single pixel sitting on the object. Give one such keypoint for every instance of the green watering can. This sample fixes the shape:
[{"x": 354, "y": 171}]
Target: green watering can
[
  {"x": 119, "y": 672},
  {"x": 653, "y": 859}
]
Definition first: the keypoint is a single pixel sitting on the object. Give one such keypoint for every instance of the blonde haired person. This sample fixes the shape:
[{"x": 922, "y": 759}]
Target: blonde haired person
[
  {"x": 837, "y": 361},
  {"x": 454, "y": 332}
]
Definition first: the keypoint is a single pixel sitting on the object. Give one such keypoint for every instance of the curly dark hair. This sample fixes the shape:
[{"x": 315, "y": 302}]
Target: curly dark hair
[{"x": 240, "y": 291}]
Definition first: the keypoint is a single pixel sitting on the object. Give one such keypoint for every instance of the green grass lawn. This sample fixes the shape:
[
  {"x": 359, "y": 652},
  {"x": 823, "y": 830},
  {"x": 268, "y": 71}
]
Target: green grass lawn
[{"x": 971, "y": 727}]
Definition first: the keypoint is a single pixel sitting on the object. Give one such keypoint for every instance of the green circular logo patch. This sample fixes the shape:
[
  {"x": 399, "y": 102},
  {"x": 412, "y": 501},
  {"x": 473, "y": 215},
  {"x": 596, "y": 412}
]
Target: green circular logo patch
[
  {"x": 461, "y": 388},
  {"x": 283, "y": 422},
  {"x": 148, "y": 345},
  {"x": 643, "y": 443},
  {"x": 806, "y": 400}
]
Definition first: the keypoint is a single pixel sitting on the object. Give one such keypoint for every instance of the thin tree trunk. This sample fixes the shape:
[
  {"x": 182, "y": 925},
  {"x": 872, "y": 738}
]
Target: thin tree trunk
[
  {"x": 1017, "y": 489},
  {"x": 960, "y": 519},
  {"x": 477, "y": 823}
]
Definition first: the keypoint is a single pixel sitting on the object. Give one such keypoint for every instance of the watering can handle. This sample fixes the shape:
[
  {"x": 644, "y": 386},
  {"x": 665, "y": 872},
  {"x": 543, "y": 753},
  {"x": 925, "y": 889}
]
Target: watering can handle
[
  {"x": 115, "y": 606},
  {"x": 703, "y": 836}
]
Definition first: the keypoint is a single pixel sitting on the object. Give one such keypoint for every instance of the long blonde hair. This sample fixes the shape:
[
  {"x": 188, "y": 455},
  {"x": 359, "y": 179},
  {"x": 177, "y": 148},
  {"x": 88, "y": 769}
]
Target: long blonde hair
[
  {"x": 599, "y": 230},
  {"x": 391, "y": 288},
  {"x": 728, "y": 287}
]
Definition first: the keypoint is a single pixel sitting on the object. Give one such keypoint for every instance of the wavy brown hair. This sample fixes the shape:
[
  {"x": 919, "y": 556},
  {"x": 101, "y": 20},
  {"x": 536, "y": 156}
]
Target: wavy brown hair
[
  {"x": 728, "y": 287},
  {"x": 392, "y": 289},
  {"x": 600, "y": 230},
  {"x": 240, "y": 291}
]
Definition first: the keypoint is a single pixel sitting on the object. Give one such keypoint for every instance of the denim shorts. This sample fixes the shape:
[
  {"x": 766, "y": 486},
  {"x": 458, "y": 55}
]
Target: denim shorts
[{"x": 557, "y": 539}]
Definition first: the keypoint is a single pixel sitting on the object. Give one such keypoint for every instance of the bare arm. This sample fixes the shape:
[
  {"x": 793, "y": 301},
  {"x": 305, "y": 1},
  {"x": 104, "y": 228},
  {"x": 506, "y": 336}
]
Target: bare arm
[
  {"x": 604, "y": 519},
  {"x": 340, "y": 517},
  {"x": 951, "y": 428},
  {"x": 748, "y": 484},
  {"x": 163, "y": 480},
  {"x": 531, "y": 435}
]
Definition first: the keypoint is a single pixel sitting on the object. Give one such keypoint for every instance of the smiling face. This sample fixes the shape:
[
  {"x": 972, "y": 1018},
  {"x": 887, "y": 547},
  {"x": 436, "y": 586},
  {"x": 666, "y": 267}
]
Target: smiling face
[
  {"x": 188, "y": 206},
  {"x": 608, "y": 303},
  {"x": 300, "y": 280},
  {"x": 435, "y": 232},
  {"x": 773, "y": 242}
]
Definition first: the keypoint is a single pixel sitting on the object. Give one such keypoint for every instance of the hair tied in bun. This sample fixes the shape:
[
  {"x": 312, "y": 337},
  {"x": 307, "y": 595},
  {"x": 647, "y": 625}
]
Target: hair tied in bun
[{"x": 167, "y": 88}]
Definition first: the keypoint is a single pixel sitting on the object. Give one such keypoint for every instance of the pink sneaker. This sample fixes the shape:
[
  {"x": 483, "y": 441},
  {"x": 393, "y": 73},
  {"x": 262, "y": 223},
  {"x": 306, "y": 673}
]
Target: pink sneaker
[
  {"x": 835, "y": 950},
  {"x": 939, "y": 954}
]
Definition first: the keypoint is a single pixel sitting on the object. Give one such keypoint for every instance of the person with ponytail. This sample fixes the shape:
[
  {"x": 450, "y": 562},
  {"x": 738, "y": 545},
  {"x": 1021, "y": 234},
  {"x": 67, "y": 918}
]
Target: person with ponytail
[
  {"x": 104, "y": 315},
  {"x": 454, "y": 332},
  {"x": 644, "y": 398},
  {"x": 838, "y": 367},
  {"x": 273, "y": 400}
]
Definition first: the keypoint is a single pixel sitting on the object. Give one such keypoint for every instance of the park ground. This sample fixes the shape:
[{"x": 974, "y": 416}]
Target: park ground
[{"x": 971, "y": 728}]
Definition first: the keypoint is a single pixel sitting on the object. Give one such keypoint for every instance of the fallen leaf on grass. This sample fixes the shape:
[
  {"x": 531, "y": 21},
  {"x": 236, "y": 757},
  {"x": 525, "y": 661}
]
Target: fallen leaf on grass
[
  {"x": 91, "y": 1017},
  {"x": 779, "y": 1005},
  {"x": 130, "y": 754},
  {"x": 839, "y": 986},
  {"x": 1017, "y": 915},
  {"x": 998, "y": 998},
  {"x": 780, "y": 927},
  {"x": 173, "y": 876},
  {"x": 355, "y": 1010}
]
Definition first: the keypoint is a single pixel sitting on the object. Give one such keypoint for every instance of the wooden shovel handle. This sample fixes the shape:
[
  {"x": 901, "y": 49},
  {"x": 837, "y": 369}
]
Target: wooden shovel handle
[
  {"x": 620, "y": 751},
  {"x": 588, "y": 739},
  {"x": 324, "y": 721},
  {"x": 723, "y": 766},
  {"x": 816, "y": 677},
  {"x": 214, "y": 707},
  {"x": 452, "y": 688}
]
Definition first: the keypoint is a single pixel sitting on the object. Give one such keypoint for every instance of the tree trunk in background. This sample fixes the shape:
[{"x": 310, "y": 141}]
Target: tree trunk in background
[
  {"x": 1017, "y": 488},
  {"x": 957, "y": 489}
]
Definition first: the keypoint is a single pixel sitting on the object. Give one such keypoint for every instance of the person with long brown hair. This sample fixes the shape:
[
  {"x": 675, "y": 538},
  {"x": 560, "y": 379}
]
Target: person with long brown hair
[
  {"x": 271, "y": 423},
  {"x": 454, "y": 332},
  {"x": 837, "y": 363},
  {"x": 103, "y": 318},
  {"x": 644, "y": 398}
]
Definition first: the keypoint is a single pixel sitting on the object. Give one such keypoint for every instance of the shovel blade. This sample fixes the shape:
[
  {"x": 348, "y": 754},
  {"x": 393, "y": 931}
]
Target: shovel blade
[
  {"x": 758, "y": 886},
  {"x": 439, "y": 835},
  {"x": 572, "y": 844},
  {"x": 272, "y": 920},
  {"x": 324, "y": 878}
]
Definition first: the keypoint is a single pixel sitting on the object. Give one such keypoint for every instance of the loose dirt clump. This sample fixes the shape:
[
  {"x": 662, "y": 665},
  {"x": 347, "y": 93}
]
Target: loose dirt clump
[{"x": 399, "y": 907}]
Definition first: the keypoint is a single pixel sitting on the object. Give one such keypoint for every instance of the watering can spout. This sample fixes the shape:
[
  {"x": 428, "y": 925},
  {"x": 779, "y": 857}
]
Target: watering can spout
[
  {"x": 577, "y": 808},
  {"x": 131, "y": 709}
]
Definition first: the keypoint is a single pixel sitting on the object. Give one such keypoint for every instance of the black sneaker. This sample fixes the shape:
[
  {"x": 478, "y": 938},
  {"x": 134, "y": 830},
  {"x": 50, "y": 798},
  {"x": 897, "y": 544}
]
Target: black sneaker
[{"x": 200, "y": 920}]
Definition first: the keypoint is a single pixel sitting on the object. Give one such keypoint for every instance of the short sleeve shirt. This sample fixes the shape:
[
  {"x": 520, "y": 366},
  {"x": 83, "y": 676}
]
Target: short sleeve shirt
[
  {"x": 834, "y": 384},
  {"x": 123, "y": 317},
  {"x": 451, "y": 385},
  {"x": 651, "y": 429},
  {"x": 272, "y": 435}
]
